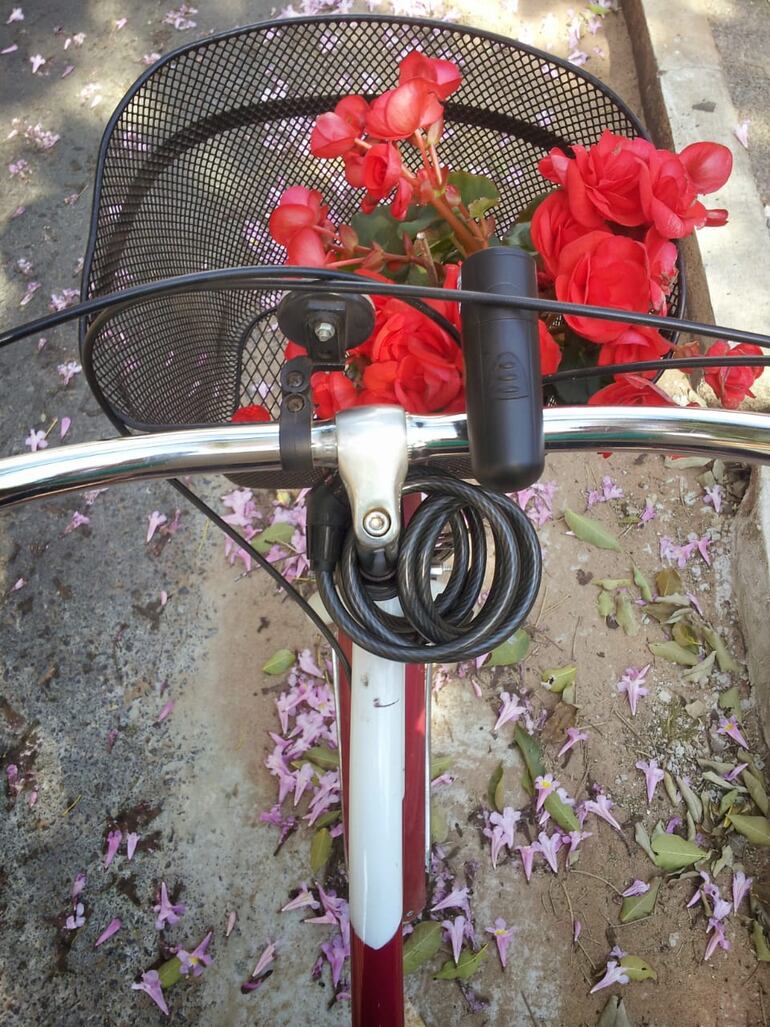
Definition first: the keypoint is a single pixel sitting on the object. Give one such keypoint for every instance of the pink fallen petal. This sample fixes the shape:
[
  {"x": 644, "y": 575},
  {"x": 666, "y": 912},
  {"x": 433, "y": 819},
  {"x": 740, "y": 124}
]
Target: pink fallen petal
[
  {"x": 114, "y": 839},
  {"x": 112, "y": 928},
  {"x": 150, "y": 983},
  {"x": 64, "y": 426},
  {"x": 37, "y": 62},
  {"x": 78, "y": 885},
  {"x": 741, "y": 133},
  {"x": 10, "y": 49},
  {"x": 132, "y": 840},
  {"x": 265, "y": 960},
  {"x": 17, "y": 14},
  {"x": 165, "y": 712},
  {"x": 231, "y": 918}
]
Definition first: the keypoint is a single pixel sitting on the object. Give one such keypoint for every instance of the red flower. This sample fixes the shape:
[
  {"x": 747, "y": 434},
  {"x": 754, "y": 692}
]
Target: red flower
[
  {"x": 332, "y": 391},
  {"x": 398, "y": 113},
  {"x": 550, "y": 353},
  {"x": 251, "y": 414},
  {"x": 553, "y": 227},
  {"x": 353, "y": 109},
  {"x": 402, "y": 199},
  {"x": 381, "y": 170},
  {"x": 297, "y": 208},
  {"x": 662, "y": 256},
  {"x": 635, "y": 343},
  {"x": 733, "y": 384},
  {"x": 443, "y": 77},
  {"x": 354, "y": 170},
  {"x": 605, "y": 270},
  {"x": 306, "y": 249},
  {"x": 332, "y": 136},
  {"x": 602, "y": 182},
  {"x": 708, "y": 165},
  {"x": 631, "y": 390}
]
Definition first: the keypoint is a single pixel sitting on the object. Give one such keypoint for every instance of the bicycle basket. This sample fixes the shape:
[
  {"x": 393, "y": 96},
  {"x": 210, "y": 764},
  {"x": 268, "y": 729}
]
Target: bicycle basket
[{"x": 197, "y": 154}]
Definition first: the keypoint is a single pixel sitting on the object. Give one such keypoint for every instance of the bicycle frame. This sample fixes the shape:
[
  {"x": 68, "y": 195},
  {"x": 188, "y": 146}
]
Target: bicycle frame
[{"x": 383, "y": 717}]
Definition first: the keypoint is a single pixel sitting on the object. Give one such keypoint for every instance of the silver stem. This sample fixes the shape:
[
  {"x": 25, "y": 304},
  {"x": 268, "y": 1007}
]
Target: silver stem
[{"x": 731, "y": 434}]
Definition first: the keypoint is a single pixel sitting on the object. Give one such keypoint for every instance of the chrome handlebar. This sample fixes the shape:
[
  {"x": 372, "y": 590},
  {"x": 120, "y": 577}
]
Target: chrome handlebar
[{"x": 734, "y": 435}]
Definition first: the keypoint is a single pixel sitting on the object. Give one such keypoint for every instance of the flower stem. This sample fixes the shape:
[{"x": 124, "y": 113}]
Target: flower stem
[{"x": 463, "y": 236}]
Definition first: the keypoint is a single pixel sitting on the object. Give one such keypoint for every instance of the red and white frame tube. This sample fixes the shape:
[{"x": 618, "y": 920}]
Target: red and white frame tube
[{"x": 375, "y": 781}]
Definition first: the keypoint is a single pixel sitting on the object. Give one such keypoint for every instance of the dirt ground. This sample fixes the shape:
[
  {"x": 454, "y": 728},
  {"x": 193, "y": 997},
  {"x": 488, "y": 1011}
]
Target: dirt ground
[{"x": 90, "y": 648}]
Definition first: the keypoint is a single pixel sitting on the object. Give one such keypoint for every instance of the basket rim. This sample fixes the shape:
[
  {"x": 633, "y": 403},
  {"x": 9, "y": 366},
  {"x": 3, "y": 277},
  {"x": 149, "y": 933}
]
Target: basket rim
[{"x": 261, "y": 26}]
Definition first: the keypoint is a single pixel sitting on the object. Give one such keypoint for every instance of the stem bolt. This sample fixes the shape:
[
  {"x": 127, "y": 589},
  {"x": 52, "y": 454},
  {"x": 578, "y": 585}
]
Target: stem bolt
[
  {"x": 324, "y": 331},
  {"x": 376, "y": 523}
]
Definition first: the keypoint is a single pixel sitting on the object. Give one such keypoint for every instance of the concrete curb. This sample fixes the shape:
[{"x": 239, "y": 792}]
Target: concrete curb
[{"x": 686, "y": 99}]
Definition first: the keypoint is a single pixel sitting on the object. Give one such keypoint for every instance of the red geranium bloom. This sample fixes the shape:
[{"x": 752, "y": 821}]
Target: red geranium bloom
[
  {"x": 553, "y": 227},
  {"x": 398, "y": 113},
  {"x": 381, "y": 170},
  {"x": 297, "y": 208},
  {"x": 306, "y": 249},
  {"x": 662, "y": 256},
  {"x": 332, "y": 136},
  {"x": 443, "y": 77},
  {"x": 733, "y": 384},
  {"x": 550, "y": 352},
  {"x": 602, "y": 182},
  {"x": 631, "y": 390},
  {"x": 708, "y": 165},
  {"x": 251, "y": 414},
  {"x": 402, "y": 199},
  {"x": 332, "y": 391},
  {"x": 604, "y": 270},
  {"x": 635, "y": 343}
]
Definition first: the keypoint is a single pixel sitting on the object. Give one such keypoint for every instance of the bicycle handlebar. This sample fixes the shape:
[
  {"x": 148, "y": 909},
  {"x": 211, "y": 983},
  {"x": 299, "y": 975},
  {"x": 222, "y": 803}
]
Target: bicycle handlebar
[{"x": 730, "y": 434}]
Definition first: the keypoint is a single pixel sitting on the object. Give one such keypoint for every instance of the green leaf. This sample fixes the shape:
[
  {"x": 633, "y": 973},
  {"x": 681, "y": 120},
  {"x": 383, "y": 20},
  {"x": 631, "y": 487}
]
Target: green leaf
[
  {"x": 321, "y": 756},
  {"x": 418, "y": 219},
  {"x": 467, "y": 965},
  {"x": 730, "y": 700},
  {"x": 589, "y": 530},
  {"x": 421, "y": 945},
  {"x": 494, "y": 781},
  {"x": 320, "y": 850},
  {"x": 701, "y": 672},
  {"x": 279, "y": 534},
  {"x": 637, "y": 969},
  {"x": 510, "y": 652},
  {"x": 280, "y": 662},
  {"x": 563, "y": 814},
  {"x": 625, "y": 615},
  {"x": 530, "y": 750},
  {"x": 330, "y": 817},
  {"x": 569, "y": 695},
  {"x": 605, "y": 604},
  {"x": 674, "y": 853},
  {"x": 439, "y": 765},
  {"x": 724, "y": 659},
  {"x": 761, "y": 947},
  {"x": 478, "y": 193},
  {"x": 691, "y": 800},
  {"x": 170, "y": 972},
  {"x": 755, "y": 829},
  {"x": 500, "y": 795},
  {"x": 439, "y": 825},
  {"x": 643, "y": 840},
  {"x": 668, "y": 581},
  {"x": 756, "y": 790},
  {"x": 637, "y": 906},
  {"x": 727, "y": 800},
  {"x": 643, "y": 585},
  {"x": 557, "y": 680},
  {"x": 673, "y": 652},
  {"x": 614, "y": 1014},
  {"x": 520, "y": 237},
  {"x": 612, "y": 583},
  {"x": 381, "y": 227}
]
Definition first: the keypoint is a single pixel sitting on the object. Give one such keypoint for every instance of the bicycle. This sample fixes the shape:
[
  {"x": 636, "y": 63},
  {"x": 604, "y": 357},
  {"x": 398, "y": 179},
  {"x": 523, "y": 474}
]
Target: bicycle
[{"x": 504, "y": 432}]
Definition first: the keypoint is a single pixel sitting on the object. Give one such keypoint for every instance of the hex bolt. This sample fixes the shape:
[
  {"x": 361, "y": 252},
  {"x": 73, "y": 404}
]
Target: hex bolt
[
  {"x": 295, "y": 379},
  {"x": 295, "y": 404},
  {"x": 376, "y": 523},
  {"x": 324, "y": 331}
]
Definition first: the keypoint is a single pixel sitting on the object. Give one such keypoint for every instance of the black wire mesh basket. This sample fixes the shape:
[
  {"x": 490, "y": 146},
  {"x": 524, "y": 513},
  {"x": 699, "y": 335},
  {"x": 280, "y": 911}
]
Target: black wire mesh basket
[{"x": 197, "y": 154}]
